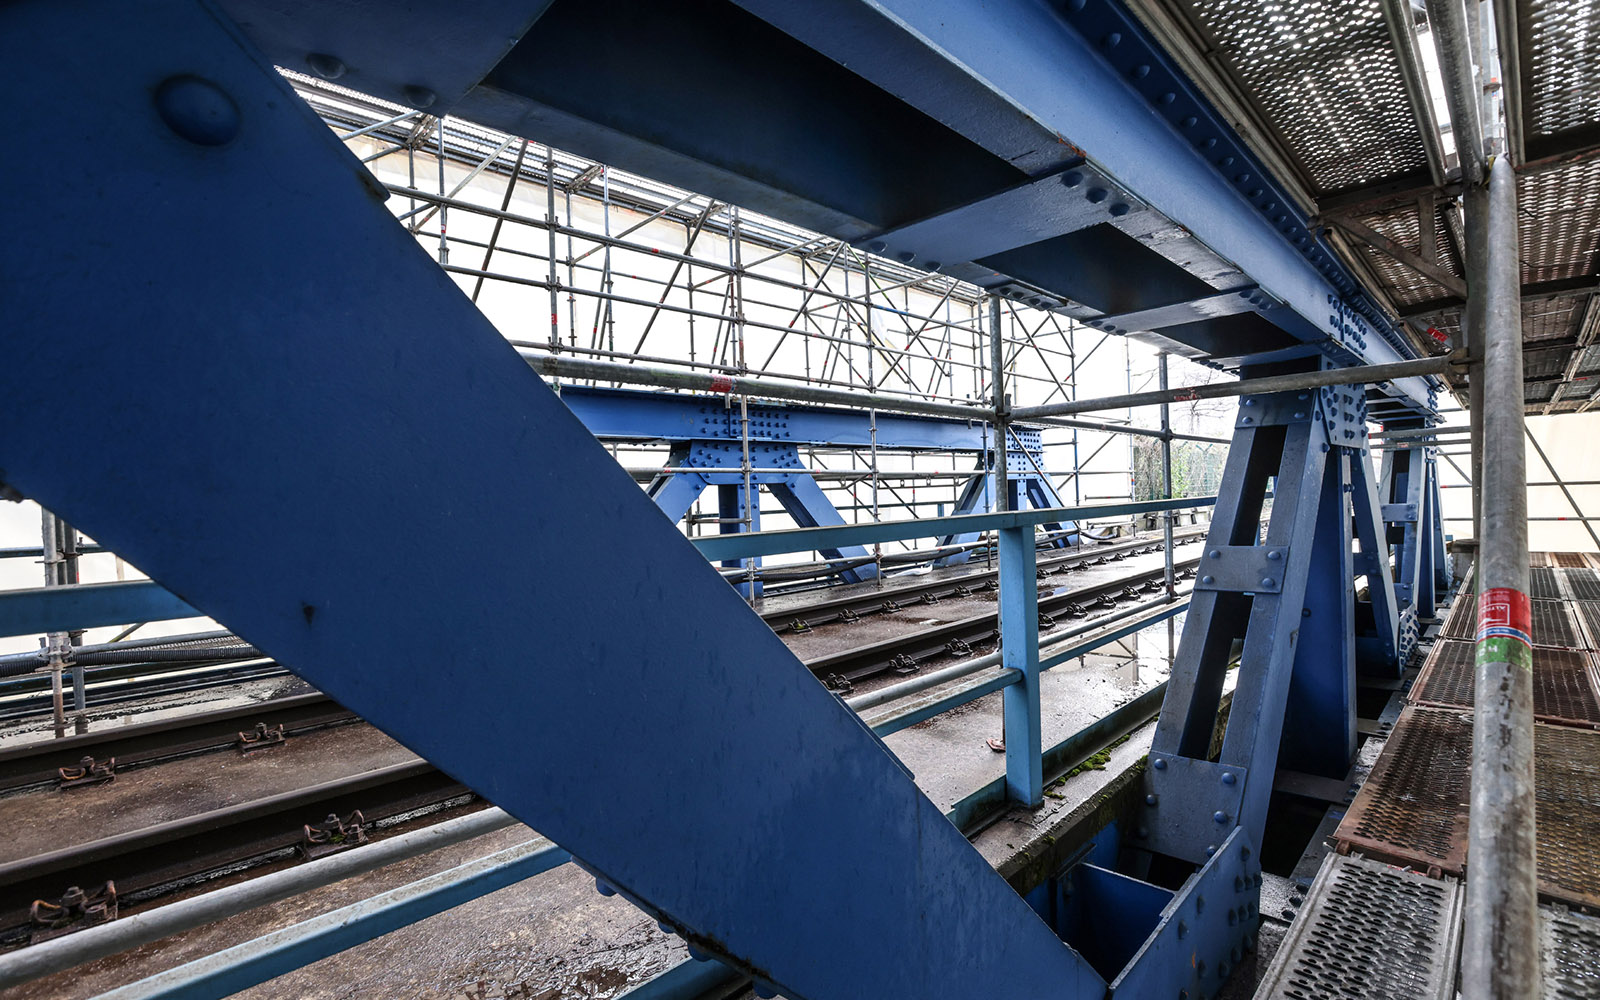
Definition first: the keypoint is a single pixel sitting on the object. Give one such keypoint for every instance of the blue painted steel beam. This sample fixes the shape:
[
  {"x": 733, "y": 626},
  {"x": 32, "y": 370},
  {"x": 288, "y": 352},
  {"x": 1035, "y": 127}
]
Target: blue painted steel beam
[
  {"x": 88, "y": 605},
  {"x": 259, "y": 432},
  {"x": 640, "y": 415}
]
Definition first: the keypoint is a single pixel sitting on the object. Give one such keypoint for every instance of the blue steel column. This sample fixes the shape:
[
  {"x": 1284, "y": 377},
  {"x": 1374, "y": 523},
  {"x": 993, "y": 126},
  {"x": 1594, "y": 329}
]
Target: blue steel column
[
  {"x": 1019, "y": 650},
  {"x": 253, "y": 421},
  {"x": 730, "y": 520}
]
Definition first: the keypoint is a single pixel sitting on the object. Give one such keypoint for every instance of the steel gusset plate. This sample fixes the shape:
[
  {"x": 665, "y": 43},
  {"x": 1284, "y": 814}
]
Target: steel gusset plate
[
  {"x": 1204, "y": 932},
  {"x": 1370, "y": 930}
]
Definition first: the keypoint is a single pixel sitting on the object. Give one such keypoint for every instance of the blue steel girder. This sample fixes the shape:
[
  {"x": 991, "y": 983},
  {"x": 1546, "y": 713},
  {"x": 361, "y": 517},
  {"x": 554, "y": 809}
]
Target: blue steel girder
[
  {"x": 643, "y": 415},
  {"x": 1063, "y": 130},
  {"x": 1026, "y": 480},
  {"x": 254, "y": 421}
]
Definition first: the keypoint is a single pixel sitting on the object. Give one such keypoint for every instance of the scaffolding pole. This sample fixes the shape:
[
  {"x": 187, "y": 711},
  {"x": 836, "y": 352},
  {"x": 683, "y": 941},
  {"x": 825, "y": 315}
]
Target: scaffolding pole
[{"x": 1500, "y": 952}]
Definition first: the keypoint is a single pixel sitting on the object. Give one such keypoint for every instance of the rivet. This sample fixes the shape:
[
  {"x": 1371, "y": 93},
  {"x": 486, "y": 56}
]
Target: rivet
[
  {"x": 197, "y": 110},
  {"x": 417, "y": 96},
  {"x": 1111, "y": 41},
  {"x": 1168, "y": 97},
  {"x": 1275, "y": 554},
  {"x": 1215, "y": 553},
  {"x": 1200, "y": 901},
  {"x": 1140, "y": 71},
  {"x": 934, "y": 265},
  {"x": 1189, "y": 122},
  {"x": 877, "y": 246},
  {"x": 326, "y": 66},
  {"x": 1160, "y": 764},
  {"x": 906, "y": 256},
  {"x": 1298, "y": 415},
  {"x": 1249, "y": 420},
  {"x": 1183, "y": 929},
  {"x": 1268, "y": 581},
  {"x": 603, "y": 888},
  {"x": 666, "y": 928},
  {"x": 1097, "y": 195},
  {"x": 1119, "y": 209},
  {"x": 1229, "y": 778},
  {"x": 1211, "y": 849},
  {"x": 1208, "y": 580},
  {"x": 695, "y": 954},
  {"x": 1250, "y": 401},
  {"x": 1150, "y": 799},
  {"x": 1220, "y": 816},
  {"x": 1071, "y": 178}
]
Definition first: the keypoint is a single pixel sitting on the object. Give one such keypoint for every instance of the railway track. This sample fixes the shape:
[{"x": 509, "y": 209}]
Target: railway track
[{"x": 157, "y": 860}]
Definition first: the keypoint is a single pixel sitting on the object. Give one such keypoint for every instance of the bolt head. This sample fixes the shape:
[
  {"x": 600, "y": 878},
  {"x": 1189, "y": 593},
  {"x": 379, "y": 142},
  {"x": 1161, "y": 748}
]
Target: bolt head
[{"x": 197, "y": 110}]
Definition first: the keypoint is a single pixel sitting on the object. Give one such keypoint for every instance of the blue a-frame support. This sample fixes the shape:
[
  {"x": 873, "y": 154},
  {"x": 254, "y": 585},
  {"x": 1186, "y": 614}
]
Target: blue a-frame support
[{"x": 247, "y": 447}]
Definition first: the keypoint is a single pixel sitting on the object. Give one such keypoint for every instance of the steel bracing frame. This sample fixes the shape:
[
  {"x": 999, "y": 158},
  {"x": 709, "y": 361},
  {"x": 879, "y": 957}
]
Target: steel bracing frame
[{"x": 374, "y": 440}]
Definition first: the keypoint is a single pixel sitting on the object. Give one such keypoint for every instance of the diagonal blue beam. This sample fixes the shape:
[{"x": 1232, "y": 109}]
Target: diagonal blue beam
[{"x": 263, "y": 432}]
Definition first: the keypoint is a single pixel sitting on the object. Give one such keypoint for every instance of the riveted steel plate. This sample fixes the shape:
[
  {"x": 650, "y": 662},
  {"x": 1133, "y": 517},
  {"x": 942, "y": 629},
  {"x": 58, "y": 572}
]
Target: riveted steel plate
[
  {"x": 1580, "y": 584},
  {"x": 1566, "y": 763},
  {"x": 1569, "y": 951},
  {"x": 1543, "y": 584},
  {"x": 1369, "y": 930},
  {"x": 1552, "y": 623},
  {"x": 1563, "y": 682},
  {"x": 1413, "y": 809},
  {"x": 1252, "y": 569}
]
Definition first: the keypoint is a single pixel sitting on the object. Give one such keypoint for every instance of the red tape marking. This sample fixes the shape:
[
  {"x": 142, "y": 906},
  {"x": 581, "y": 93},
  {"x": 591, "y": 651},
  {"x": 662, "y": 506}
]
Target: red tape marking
[
  {"x": 721, "y": 383},
  {"x": 1507, "y": 613}
]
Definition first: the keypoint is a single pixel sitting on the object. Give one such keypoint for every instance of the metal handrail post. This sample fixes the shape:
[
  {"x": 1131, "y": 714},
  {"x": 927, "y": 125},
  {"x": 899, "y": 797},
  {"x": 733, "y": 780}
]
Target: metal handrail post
[{"x": 1019, "y": 650}]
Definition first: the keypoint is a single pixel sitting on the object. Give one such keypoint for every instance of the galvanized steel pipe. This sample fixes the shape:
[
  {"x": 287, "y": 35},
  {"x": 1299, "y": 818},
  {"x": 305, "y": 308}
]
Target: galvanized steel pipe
[{"x": 1500, "y": 954}]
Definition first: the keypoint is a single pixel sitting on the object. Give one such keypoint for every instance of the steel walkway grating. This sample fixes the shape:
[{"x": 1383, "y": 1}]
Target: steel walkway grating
[
  {"x": 1589, "y": 612},
  {"x": 1569, "y": 947},
  {"x": 1570, "y": 560},
  {"x": 1369, "y": 930},
  {"x": 1581, "y": 584},
  {"x": 1567, "y": 787},
  {"x": 1542, "y": 584},
  {"x": 1563, "y": 682},
  {"x": 1552, "y": 625},
  {"x": 1413, "y": 808}
]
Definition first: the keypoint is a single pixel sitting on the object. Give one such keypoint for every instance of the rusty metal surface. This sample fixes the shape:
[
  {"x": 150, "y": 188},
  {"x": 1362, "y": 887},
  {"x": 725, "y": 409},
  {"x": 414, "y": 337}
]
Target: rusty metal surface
[
  {"x": 1413, "y": 809},
  {"x": 1563, "y": 682},
  {"x": 1567, "y": 788},
  {"x": 1552, "y": 623}
]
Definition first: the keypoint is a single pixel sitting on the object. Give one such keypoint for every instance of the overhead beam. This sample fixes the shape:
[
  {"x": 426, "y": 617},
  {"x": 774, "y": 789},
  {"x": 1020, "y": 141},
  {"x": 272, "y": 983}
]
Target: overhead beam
[{"x": 1537, "y": 291}]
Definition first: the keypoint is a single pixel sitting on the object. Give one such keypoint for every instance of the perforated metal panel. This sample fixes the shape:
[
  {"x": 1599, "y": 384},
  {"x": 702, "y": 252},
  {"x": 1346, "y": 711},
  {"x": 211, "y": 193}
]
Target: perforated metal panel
[
  {"x": 1560, "y": 216},
  {"x": 1581, "y": 584},
  {"x": 1326, "y": 77},
  {"x": 1569, "y": 946},
  {"x": 1560, "y": 44},
  {"x": 1552, "y": 625},
  {"x": 1567, "y": 784},
  {"x": 1563, "y": 682},
  {"x": 1404, "y": 227},
  {"x": 1369, "y": 931},
  {"x": 1542, "y": 585},
  {"x": 1413, "y": 809}
]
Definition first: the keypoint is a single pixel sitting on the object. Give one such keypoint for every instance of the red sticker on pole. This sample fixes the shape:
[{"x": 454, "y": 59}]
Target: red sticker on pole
[
  {"x": 1504, "y": 613},
  {"x": 721, "y": 383}
]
